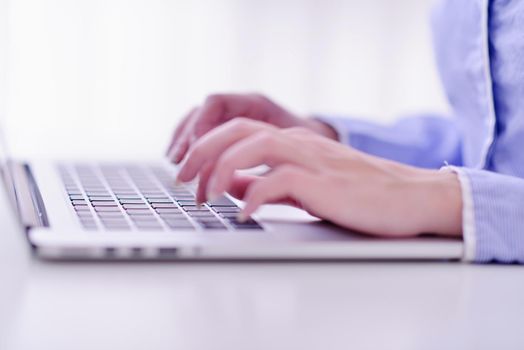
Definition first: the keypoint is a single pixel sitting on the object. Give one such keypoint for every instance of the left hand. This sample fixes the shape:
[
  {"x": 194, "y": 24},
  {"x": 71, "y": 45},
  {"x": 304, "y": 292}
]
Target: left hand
[{"x": 329, "y": 180}]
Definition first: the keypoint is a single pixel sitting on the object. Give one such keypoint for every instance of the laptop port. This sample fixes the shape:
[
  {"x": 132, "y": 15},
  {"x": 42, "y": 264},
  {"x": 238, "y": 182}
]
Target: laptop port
[
  {"x": 164, "y": 253},
  {"x": 110, "y": 252}
]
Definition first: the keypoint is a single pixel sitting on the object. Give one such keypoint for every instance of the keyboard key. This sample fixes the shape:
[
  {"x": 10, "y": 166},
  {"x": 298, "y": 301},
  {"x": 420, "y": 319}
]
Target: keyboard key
[
  {"x": 158, "y": 195},
  {"x": 74, "y": 192},
  {"x": 176, "y": 212},
  {"x": 76, "y": 197},
  {"x": 164, "y": 205},
  {"x": 114, "y": 222},
  {"x": 107, "y": 198},
  {"x": 82, "y": 208},
  {"x": 176, "y": 193},
  {"x": 201, "y": 214},
  {"x": 222, "y": 210},
  {"x": 97, "y": 193},
  {"x": 104, "y": 204},
  {"x": 135, "y": 206},
  {"x": 111, "y": 214},
  {"x": 176, "y": 220},
  {"x": 181, "y": 225},
  {"x": 144, "y": 218},
  {"x": 229, "y": 215},
  {"x": 131, "y": 201},
  {"x": 148, "y": 226},
  {"x": 90, "y": 227},
  {"x": 213, "y": 225},
  {"x": 117, "y": 227},
  {"x": 88, "y": 223},
  {"x": 127, "y": 194},
  {"x": 249, "y": 224},
  {"x": 138, "y": 212},
  {"x": 188, "y": 202},
  {"x": 182, "y": 197},
  {"x": 177, "y": 216},
  {"x": 117, "y": 209},
  {"x": 87, "y": 218},
  {"x": 167, "y": 210},
  {"x": 209, "y": 221},
  {"x": 95, "y": 190},
  {"x": 159, "y": 200},
  {"x": 195, "y": 208}
]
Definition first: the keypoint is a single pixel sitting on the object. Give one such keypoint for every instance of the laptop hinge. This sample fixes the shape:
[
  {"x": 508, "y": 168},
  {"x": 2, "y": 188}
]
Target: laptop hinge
[{"x": 28, "y": 200}]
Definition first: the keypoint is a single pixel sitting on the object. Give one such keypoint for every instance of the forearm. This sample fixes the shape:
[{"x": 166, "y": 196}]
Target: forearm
[{"x": 424, "y": 141}]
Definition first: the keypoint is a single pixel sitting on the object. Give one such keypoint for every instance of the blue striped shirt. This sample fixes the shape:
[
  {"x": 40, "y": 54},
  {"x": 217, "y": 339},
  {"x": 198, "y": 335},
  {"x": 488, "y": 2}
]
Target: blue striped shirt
[{"x": 479, "y": 46}]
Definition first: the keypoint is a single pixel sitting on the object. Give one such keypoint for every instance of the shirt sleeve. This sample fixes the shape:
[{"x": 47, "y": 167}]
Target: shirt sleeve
[
  {"x": 423, "y": 141},
  {"x": 493, "y": 216}
]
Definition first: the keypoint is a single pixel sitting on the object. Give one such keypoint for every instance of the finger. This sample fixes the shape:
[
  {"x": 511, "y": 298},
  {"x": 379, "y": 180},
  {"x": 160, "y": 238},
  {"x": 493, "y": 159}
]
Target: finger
[
  {"x": 286, "y": 182},
  {"x": 179, "y": 129},
  {"x": 270, "y": 148},
  {"x": 180, "y": 150},
  {"x": 213, "y": 144},
  {"x": 216, "y": 110},
  {"x": 202, "y": 183},
  {"x": 179, "y": 142},
  {"x": 241, "y": 183},
  {"x": 220, "y": 108}
]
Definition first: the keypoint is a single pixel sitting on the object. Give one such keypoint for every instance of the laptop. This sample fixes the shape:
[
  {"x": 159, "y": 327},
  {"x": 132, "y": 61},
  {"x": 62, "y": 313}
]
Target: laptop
[{"x": 134, "y": 211}]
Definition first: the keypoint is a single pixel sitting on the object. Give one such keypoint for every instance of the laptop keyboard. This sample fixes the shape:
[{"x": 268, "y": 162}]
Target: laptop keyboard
[{"x": 133, "y": 197}]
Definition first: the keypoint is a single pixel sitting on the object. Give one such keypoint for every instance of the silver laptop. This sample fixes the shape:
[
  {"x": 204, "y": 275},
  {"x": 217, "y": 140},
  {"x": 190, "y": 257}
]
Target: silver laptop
[{"x": 117, "y": 210}]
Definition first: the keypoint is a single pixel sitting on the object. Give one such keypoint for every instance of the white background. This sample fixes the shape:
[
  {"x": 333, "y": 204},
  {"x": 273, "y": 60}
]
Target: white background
[{"x": 112, "y": 77}]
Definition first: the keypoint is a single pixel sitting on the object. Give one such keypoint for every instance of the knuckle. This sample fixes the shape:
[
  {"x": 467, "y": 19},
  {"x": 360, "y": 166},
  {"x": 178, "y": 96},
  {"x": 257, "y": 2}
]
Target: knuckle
[
  {"x": 267, "y": 139},
  {"x": 259, "y": 97},
  {"x": 240, "y": 124},
  {"x": 297, "y": 131},
  {"x": 215, "y": 99},
  {"x": 287, "y": 172}
]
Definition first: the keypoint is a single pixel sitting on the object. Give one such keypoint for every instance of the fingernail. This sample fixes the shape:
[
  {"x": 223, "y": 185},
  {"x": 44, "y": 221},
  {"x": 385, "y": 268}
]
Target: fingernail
[
  {"x": 172, "y": 152},
  {"x": 211, "y": 196},
  {"x": 241, "y": 217},
  {"x": 178, "y": 156}
]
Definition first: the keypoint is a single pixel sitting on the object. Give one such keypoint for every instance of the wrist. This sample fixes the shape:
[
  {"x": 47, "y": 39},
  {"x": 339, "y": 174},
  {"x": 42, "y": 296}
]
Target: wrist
[{"x": 439, "y": 203}]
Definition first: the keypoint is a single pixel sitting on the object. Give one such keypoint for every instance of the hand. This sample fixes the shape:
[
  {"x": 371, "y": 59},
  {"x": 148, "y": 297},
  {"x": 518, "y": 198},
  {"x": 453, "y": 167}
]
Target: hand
[
  {"x": 326, "y": 178},
  {"x": 218, "y": 109}
]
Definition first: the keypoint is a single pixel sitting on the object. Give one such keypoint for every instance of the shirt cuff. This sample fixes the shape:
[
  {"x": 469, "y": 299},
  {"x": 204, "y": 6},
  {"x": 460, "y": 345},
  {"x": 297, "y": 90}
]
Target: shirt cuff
[{"x": 468, "y": 214}]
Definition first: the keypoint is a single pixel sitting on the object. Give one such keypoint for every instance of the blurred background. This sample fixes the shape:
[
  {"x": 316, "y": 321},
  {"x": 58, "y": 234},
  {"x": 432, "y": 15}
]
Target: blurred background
[{"x": 112, "y": 77}]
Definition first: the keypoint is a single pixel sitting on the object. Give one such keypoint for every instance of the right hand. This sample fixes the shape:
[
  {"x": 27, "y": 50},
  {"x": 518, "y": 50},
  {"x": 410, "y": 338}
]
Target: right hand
[{"x": 220, "y": 108}]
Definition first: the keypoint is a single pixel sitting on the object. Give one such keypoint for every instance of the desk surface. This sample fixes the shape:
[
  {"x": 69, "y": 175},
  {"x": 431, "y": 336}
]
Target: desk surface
[{"x": 160, "y": 306}]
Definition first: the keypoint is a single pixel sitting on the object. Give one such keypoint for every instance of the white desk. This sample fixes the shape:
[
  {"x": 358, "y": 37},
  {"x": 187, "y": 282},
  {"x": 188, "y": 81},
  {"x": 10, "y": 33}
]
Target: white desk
[{"x": 76, "y": 306}]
